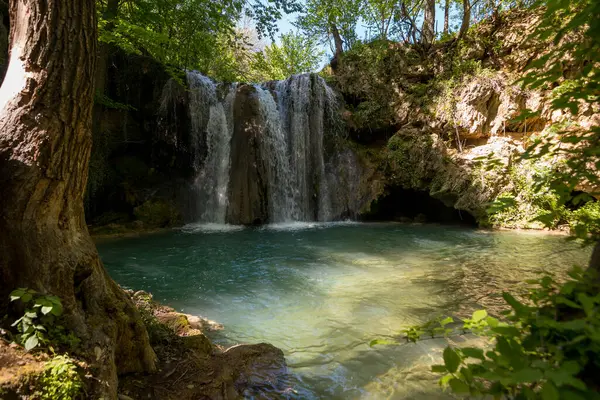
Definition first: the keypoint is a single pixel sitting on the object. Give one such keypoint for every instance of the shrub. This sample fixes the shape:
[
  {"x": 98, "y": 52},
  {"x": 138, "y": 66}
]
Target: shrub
[{"x": 60, "y": 380}]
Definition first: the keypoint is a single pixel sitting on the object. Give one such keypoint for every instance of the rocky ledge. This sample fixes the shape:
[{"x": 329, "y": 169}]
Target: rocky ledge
[{"x": 191, "y": 367}]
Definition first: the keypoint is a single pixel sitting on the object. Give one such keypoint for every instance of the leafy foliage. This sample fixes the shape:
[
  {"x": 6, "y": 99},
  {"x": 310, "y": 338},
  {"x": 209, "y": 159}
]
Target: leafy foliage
[
  {"x": 38, "y": 325},
  {"x": 188, "y": 34},
  {"x": 321, "y": 18},
  {"x": 574, "y": 27},
  {"x": 538, "y": 353},
  {"x": 295, "y": 55},
  {"x": 60, "y": 380}
]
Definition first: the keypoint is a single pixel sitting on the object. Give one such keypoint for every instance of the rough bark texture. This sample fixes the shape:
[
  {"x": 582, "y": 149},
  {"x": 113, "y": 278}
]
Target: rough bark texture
[
  {"x": 446, "y": 17},
  {"x": 45, "y": 140},
  {"x": 428, "y": 30},
  {"x": 466, "y": 19},
  {"x": 337, "y": 39}
]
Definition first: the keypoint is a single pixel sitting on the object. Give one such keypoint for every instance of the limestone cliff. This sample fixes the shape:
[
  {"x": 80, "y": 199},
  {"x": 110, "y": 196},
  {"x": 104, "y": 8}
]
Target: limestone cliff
[{"x": 452, "y": 120}]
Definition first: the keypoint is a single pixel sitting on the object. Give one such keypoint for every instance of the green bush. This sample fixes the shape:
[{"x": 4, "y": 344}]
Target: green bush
[
  {"x": 586, "y": 220},
  {"x": 40, "y": 314},
  {"x": 60, "y": 380},
  {"x": 529, "y": 201}
]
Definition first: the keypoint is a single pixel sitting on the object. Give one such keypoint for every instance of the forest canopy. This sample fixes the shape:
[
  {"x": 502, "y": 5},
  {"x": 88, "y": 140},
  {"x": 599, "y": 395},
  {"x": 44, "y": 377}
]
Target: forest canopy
[{"x": 228, "y": 40}]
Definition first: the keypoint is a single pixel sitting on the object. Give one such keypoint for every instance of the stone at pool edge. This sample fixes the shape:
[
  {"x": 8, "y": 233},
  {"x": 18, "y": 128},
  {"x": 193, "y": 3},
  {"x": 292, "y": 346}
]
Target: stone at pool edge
[{"x": 256, "y": 365}]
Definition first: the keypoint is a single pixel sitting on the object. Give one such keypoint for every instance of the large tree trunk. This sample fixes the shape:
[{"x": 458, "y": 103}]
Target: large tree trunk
[
  {"x": 466, "y": 20},
  {"x": 428, "y": 31},
  {"x": 45, "y": 139}
]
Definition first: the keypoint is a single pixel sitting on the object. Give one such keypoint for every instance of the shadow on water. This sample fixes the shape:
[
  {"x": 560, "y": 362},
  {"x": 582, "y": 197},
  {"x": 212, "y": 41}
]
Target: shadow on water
[{"x": 322, "y": 292}]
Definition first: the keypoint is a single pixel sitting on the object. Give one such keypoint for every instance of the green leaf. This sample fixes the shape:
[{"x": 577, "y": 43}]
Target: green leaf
[
  {"x": 451, "y": 359},
  {"x": 507, "y": 331},
  {"x": 459, "y": 386},
  {"x": 57, "y": 310},
  {"x": 46, "y": 309},
  {"x": 514, "y": 303},
  {"x": 446, "y": 321},
  {"x": 31, "y": 342},
  {"x": 479, "y": 315},
  {"x": 492, "y": 322},
  {"x": 445, "y": 379},
  {"x": 473, "y": 352},
  {"x": 527, "y": 375},
  {"x": 439, "y": 368}
]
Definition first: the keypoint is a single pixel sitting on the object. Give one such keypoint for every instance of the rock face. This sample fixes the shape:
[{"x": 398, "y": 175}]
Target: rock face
[
  {"x": 286, "y": 151},
  {"x": 248, "y": 188},
  {"x": 418, "y": 161}
]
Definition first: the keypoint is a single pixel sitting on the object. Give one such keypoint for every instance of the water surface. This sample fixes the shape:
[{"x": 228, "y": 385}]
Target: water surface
[{"x": 321, "y": 292}]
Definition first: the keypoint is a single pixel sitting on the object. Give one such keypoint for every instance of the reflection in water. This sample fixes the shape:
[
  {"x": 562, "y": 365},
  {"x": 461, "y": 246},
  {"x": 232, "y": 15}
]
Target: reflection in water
[{"x": 321, "y": 292}]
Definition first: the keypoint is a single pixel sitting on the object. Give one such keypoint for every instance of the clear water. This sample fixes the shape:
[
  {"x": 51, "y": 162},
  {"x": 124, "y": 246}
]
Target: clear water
[{"x": 321, "y": 292}]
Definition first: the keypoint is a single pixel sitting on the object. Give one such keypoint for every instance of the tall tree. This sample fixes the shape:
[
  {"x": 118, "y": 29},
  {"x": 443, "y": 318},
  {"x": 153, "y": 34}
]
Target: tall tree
[
  {"x": 466, "y": 18},
  {"x": 332, "y": 21},
  {"x": 379, "y": 14},
  {"x": 446, "y": 17},
  {"x": 296, "y": 54},
  {"x": 428, "y": 30},
  {"x": 45, "y": 140}
]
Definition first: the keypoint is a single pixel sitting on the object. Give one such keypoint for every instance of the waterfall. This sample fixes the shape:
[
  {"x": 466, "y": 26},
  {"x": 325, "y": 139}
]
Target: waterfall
[
  {"x": 278, "y": 130},
  {"x": 211, "y": 126},
  {"x": 303, "y": 101}
]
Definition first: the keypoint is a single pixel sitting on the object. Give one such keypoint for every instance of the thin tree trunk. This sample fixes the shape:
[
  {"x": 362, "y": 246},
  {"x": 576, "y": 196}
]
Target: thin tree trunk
[
  {"x": 428, "y": 30},
  {"x": 45, "y": 140},
  {"x": 466, "y": 20},
  {"x": 446, "y": 17},
  {"x": 337, "y": 40}
]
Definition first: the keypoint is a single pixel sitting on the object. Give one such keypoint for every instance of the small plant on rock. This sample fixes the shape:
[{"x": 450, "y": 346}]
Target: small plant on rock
[{"x": 38, "y": 324}]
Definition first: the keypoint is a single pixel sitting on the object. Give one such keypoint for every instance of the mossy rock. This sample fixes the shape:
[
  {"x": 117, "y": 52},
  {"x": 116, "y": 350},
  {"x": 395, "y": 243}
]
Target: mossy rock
[
  {"x": 199, "y": 343},
  {"x": 158, "y": 214}
]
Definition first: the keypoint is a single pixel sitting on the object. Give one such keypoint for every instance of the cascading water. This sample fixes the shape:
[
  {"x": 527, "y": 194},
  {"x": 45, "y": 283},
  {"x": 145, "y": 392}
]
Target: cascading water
[
  {"x": 303, "y": 102},
  {"x": 273, "y": 135},
  {"x": 210, "y": 122}
]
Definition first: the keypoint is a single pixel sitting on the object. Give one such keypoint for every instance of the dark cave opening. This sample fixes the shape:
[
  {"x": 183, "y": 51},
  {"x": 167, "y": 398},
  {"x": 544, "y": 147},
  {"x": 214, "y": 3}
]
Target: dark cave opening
[{"x": 407, "y": 205}]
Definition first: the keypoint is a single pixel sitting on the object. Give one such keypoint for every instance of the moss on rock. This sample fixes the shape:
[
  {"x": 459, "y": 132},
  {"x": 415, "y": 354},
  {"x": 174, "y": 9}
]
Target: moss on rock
[{"x": 158, "y": 214}]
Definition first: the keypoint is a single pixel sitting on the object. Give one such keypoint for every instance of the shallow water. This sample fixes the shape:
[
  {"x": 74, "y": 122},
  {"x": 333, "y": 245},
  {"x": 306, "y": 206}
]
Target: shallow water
[{"x": 321, "y": 292}]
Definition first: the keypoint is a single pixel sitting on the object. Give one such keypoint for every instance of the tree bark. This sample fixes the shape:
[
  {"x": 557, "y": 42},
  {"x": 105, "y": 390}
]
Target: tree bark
[
  {"x": 466, "y": 20},
  {"x": 447, "y": 17},
  {"x": 428, "y": 30},
  {"x": 337, "y": 40},
  {"x": 45, "y": 140}
]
